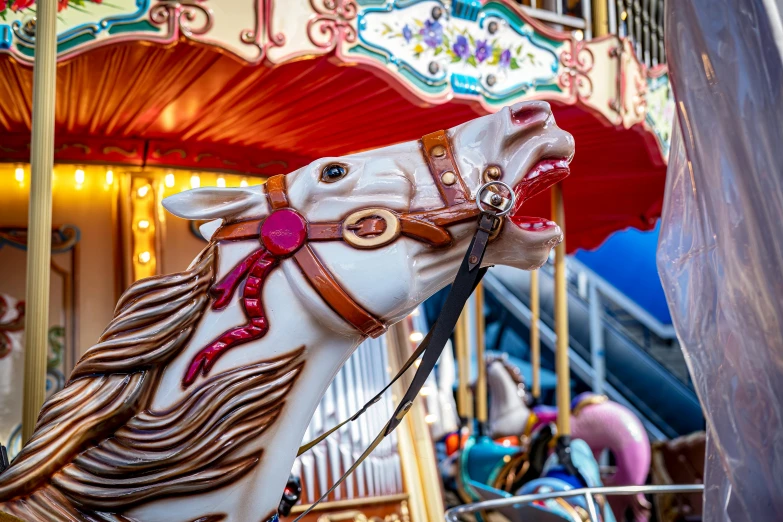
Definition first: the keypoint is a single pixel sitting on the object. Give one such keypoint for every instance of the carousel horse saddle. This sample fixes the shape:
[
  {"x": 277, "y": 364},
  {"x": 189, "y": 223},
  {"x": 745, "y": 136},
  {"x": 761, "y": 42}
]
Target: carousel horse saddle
[{"x": 557, "y": 478}]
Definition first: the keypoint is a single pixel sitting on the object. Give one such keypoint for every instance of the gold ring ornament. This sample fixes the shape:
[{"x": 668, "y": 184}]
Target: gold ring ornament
[{"x": 391, "y": 233}]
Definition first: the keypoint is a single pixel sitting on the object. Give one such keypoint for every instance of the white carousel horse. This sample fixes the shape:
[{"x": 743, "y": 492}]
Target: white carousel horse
[
  {"x": 194, "y": 401},
  {"x": 602, "y": 424}
]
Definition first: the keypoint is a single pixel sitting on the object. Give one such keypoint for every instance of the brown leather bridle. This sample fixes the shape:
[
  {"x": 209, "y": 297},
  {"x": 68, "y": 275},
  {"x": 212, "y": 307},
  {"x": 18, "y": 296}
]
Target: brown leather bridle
[
  {"x": 285, "y": 233},
  {"x": 369, "y": 228}
]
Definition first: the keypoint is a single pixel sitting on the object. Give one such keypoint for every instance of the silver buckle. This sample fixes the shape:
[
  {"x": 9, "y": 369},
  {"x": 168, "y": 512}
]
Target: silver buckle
[{"x": 501, "y": 204}]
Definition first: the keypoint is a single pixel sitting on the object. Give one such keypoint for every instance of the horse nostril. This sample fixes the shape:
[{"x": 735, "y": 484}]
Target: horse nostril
[{"x": 530, "y": 113}]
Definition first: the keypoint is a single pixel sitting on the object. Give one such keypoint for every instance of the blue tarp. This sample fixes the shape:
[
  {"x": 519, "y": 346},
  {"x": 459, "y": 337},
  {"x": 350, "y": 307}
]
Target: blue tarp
[{"x": 627, "y": 261}]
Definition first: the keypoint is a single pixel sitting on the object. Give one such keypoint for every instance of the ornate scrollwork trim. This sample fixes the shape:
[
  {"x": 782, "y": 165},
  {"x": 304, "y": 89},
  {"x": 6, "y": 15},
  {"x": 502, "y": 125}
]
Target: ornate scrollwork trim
[
  {"x": 181, "y": 16},
  {"x": 264, "y": 35},
  {"x": 331, "y": 23},
  {"x": 578, "y": 64}
]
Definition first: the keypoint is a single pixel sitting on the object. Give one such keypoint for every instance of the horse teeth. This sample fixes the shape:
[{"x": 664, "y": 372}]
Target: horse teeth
[
  {"x": 538, "y": 225},
  {"x": 551, "y": 223}
]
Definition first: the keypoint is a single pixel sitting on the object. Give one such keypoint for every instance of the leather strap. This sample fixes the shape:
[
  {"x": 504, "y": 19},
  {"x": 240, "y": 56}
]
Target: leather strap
[
  {"x": 275, "y": 188},
  {"x": 443, "y": 167},
  {"x": 239, "y": 231},
  {"x": 431, "y": 347},
  {"x": 331, "y": 292}
]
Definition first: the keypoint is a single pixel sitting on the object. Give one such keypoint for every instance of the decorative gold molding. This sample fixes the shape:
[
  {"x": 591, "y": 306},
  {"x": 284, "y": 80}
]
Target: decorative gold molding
[
  {"x": 358, "y": 516},
  {"x": 355, "y": 502}
]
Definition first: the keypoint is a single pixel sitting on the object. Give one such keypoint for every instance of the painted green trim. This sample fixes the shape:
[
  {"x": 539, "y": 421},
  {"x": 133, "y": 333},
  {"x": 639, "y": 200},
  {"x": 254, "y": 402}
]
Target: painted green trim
[
  {"x": 548, "y": 87},
  {"x": 360, "y": 49},
  {"x": 403, "y": 71},
  {"x": 133, "y": 27}
]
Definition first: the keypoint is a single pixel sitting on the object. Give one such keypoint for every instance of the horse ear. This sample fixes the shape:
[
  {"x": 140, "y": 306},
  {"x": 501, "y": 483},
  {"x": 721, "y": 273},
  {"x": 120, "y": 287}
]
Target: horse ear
[{"x": 213, "y": 202}]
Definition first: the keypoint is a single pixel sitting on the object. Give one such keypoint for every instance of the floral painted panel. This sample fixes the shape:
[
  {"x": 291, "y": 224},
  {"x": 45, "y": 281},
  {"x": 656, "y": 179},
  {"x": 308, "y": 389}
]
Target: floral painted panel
[
  {"x": 660, "y": 110},
  {"x": 498, "y": 56}
]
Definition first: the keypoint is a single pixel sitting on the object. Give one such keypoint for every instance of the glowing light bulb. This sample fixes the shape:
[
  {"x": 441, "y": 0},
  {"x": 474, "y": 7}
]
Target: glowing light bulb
[
  {"x": 195, "y": 181},
  {"x": 168, "y": 179},
  {"x": 431, "y": 418},
  {"x": 78, "y": 175},
  {"x": 243, "y": 183},
  {"x": 623, "y": 15},
  {"x": 416, "y": 337},
  {"x": 221, "y": 182},
  {"x": 109, "y": 177},
  {"x": 19, "y": 174},
  {"x": 144, "y": 224},
  {"x": 143, "y": 191},
  {"x": 145, "y": 257},
  {"x": 415, "y": 312},
  {"x": 579, "y": 35},
  {"x": 426, "y": 390},
  {"x": 417, "y": 362}
]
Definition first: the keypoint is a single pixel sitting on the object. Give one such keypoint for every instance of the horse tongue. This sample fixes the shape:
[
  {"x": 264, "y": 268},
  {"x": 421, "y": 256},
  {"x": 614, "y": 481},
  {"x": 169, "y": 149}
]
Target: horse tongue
[{"x": 541, "y": 177}]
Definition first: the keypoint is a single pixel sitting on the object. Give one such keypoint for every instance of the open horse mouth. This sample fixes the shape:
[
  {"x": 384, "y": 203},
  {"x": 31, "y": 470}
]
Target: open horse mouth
[{"x": 542, "y": 176}]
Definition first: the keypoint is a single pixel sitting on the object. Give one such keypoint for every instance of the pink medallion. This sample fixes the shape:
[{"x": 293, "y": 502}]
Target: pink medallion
[{"x": 284, "y": 232}]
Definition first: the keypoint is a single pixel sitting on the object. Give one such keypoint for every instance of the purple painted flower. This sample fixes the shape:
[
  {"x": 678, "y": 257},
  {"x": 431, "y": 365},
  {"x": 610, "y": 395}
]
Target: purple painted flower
[
  {"x": 461, "y": 47},
  {"x": 432, "y": 33},
  {"x": 505, "y": 58},
  {"x": 406, "y": 33},
  {"x": 483, "y": 50}
]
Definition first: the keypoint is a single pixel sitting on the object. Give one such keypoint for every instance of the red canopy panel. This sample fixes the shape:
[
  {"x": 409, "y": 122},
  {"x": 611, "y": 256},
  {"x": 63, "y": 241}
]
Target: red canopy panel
[{"x": 191, "y": 106}]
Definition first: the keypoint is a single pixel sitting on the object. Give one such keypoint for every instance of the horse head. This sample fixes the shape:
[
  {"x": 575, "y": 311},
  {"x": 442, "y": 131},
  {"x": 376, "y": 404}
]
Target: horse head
[
  {"x": 199, "y": 391},
  {"x": 520, "y": 146}
]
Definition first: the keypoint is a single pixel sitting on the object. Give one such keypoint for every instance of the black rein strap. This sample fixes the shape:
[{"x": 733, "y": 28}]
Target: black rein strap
[{"x": 468, "y": 277}]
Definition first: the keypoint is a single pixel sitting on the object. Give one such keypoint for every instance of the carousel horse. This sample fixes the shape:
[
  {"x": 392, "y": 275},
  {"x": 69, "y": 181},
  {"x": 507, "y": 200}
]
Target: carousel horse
[
  {"x": 600, "y": 423},
  {"x": 193, "y": 403}
]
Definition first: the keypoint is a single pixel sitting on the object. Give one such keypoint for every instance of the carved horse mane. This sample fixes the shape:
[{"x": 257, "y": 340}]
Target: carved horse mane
[{"x": 144, "y": 454}]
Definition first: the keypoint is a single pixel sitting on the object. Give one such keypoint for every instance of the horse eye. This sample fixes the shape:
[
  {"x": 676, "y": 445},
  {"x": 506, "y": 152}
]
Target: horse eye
[{"x": 333, "y": 172}]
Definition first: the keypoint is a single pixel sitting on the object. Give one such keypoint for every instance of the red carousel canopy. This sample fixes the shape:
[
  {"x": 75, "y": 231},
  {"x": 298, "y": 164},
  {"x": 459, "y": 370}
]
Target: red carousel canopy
[{"x": 195, "y": 106}]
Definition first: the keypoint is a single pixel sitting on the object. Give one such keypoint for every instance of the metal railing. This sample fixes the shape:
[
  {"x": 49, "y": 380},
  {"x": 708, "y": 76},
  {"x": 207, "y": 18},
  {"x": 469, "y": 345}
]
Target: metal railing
[
  {"x": 640, "y": 20},
  {"x": 453, "y": 514},
  {"x": 581, "y": 368}
]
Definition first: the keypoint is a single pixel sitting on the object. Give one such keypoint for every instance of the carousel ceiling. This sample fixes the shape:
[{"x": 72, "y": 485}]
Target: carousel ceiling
[{"x": 196, "y": 105}]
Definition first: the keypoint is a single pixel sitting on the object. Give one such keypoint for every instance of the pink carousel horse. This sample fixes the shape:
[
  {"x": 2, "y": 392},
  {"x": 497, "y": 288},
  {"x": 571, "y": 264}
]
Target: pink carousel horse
[
  {"x": 601, "y": 423},
  {"x": 192, "y": 404}
]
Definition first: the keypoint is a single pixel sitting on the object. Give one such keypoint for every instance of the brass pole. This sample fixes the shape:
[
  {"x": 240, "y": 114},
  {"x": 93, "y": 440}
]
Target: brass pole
[
  {"x": 561, "y": 321},
  {"x": 535, "y": 337},
  {"x": 39, "y": 241},
  {"x": 463, "y": 366},
  {"x": 417, "y": 454},
  {"x": 600, "y": 17},
  {"x": 481, "y": 378}
]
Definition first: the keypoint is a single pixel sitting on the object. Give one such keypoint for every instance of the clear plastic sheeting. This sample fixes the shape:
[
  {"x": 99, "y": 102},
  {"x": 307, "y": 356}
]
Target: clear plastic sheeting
[{"x": 720, "y": 254}]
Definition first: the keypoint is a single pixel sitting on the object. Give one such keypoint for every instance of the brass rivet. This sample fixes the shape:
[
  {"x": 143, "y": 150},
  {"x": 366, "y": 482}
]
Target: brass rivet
[
  {"x": 438, "y": 151},
  {"x": 492, "y": 172},
  {"x": 448, "y": 178}
]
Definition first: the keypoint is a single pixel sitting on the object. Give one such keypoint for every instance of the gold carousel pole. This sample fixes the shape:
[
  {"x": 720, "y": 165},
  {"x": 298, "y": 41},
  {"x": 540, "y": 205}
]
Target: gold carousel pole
[
  {"x": 39, "y": 242},
  {"x": 600, "y": 18},
  {"x": 481, "y": 379},
  {"x": 463, "y": 367},
  {"x": 535, "y": 337},
  {"x": 561, "y": 322}
]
